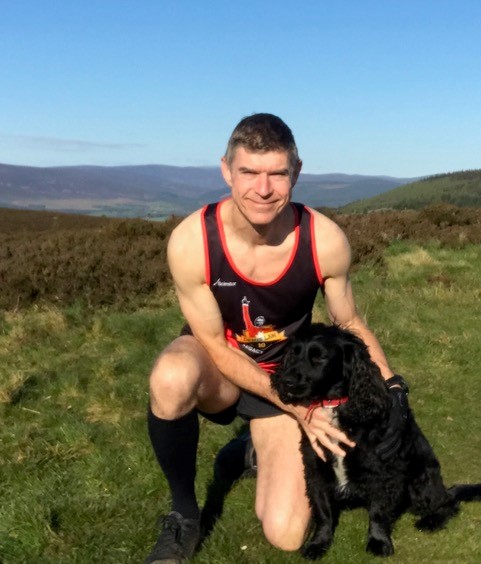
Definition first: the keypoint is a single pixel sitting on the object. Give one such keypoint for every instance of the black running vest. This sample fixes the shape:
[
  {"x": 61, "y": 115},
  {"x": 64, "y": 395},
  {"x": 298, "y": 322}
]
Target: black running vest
[{"x": 260, "y": 317}]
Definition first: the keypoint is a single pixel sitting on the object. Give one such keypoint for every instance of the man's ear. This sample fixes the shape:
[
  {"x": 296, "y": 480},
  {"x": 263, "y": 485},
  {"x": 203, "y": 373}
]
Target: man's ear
[
  {"x": 296, "y": 172},
  {"x": 226, "y": 173}
]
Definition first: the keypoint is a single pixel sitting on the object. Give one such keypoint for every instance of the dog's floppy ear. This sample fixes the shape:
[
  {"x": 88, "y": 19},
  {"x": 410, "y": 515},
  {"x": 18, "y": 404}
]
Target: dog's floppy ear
[{"x": 368, "y": 396}]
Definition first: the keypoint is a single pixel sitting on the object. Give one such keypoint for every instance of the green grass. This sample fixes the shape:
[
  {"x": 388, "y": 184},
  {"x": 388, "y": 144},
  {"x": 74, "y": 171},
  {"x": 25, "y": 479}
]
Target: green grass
[{"x": 78, "y": 481}]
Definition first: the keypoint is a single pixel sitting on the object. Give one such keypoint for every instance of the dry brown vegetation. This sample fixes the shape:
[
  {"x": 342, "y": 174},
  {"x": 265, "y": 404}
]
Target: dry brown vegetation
[
  {"x": 369, "y": 234},
  {"x": 62, "y": 258}
]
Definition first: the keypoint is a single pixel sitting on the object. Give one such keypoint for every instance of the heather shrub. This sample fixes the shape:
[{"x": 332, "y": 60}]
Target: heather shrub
[
  {"x": 446, "y": 215},
  {"x": 64, "y": 259},
  {"x": 116, "y": 263},
  {"x": 369, "y": 234}
]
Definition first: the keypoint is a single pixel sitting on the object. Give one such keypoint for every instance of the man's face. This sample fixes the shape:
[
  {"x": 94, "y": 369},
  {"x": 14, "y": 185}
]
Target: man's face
[{"x": 261, "y": 183}]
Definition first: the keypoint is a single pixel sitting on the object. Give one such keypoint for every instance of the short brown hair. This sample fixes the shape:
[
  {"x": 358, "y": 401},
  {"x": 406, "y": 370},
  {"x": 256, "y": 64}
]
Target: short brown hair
[{"x": 261, "y": 133}]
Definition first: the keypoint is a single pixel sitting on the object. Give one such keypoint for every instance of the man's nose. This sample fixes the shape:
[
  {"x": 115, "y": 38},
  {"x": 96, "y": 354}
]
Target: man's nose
[{"x": 263, "y": 187}]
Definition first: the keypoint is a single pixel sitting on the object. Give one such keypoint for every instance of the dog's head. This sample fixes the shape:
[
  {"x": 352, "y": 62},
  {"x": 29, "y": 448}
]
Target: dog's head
[
  {"x": 312, "y": 368},
  {"x": 329, "y": 363}
]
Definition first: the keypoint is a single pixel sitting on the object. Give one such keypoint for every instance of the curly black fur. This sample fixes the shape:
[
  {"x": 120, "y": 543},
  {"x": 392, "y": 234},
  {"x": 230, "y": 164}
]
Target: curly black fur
[{"x": 330, "y": 363}]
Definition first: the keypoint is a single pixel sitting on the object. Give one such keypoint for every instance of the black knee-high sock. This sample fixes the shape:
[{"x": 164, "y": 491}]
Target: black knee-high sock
[{"x": 175, "y": 446}]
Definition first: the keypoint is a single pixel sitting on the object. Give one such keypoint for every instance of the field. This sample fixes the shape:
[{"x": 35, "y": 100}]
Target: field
[
  {"x": 78, "y": 480},
  {"x": 62, "y": 259}
]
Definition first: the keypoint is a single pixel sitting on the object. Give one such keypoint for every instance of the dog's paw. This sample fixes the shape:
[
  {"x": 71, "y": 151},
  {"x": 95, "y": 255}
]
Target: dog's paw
[
  {"x": 313, "y": 550},
  {"x": 432, "y": 522},
  {"x": 380, "y": 547}
]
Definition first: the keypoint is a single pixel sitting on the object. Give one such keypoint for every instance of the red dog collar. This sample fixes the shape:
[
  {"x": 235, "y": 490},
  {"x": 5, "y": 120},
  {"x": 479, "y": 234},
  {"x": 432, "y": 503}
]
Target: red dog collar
[{"x": 329, "y": 403}]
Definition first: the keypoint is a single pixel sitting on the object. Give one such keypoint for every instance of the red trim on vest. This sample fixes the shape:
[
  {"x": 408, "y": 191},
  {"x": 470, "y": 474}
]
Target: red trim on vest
[
  {"x": 206, "y": 247},
  {"x": 315, "y": 259},
  {"x": 230, "y": 338},
  {"x": 232, "y": 264},
  {"x": 269, "y": 367}
]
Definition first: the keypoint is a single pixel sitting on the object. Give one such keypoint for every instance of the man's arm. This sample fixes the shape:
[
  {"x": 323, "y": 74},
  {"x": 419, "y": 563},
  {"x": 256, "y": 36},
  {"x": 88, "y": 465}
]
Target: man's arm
[
  {"x": 334, "y": 256},
  {"x": 187, "y": 265}
]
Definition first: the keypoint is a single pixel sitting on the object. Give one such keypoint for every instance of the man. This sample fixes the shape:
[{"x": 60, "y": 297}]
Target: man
[{"x": 246, "y": 273}]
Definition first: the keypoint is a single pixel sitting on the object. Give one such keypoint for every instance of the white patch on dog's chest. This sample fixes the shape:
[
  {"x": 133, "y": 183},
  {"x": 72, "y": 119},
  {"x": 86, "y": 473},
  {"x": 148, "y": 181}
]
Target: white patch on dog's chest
[
  {"x": 340, "y": 471},
  {"x": 338, "y": 462}
]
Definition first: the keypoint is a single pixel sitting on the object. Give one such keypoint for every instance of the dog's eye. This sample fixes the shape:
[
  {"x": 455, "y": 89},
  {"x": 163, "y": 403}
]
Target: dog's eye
[
  {"x": 317, "y": 358},
  {"x": 317, "y": 355}
]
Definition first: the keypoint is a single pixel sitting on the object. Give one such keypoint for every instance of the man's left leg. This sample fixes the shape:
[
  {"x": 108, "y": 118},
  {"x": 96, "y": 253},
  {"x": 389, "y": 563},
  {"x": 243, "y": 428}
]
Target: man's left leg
[{"x": 281, "y": 502}]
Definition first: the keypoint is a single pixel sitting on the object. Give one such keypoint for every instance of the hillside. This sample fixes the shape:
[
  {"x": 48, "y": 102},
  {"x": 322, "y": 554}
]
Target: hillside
[
  {"x": 334, "y": 190},
  {"x": 461, "y": 189},
  {"x": 157, "y": 191}
]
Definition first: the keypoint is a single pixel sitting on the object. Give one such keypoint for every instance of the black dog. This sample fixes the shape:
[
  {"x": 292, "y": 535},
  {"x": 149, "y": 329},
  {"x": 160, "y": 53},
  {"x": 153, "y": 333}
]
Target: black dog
[{"x": 331, "y": 366}]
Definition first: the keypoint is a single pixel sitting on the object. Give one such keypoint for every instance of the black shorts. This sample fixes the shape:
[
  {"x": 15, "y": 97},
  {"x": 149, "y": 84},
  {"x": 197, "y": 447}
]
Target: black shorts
[
  {"x": 224, "y": 417},
  {"x": 249, "y": 406}
]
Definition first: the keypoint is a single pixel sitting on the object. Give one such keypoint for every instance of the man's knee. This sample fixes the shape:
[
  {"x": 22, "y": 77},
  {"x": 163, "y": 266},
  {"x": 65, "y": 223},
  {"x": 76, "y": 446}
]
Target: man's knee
[
  {"x": 283, "y": 531},
  {"x": 174, "y": 381}
]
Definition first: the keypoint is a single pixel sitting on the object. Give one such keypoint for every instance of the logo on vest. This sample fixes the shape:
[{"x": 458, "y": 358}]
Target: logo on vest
[
  {"x": 220, "y": 282},
  {"x": 257, "y": 334}
]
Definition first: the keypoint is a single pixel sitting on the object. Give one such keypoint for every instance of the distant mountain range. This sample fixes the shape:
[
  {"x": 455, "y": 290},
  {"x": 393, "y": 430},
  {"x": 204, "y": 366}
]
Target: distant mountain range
[{"x": 160, "y": 190}]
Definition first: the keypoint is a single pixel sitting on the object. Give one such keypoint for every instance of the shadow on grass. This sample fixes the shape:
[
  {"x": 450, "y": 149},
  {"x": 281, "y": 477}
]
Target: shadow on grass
[{"x": 228, "y": 469}]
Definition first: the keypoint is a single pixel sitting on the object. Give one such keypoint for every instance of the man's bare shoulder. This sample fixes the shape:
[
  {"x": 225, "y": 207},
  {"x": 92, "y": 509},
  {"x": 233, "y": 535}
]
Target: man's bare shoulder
[
  {"x": 187, "y": 232},
  {"x": 328, "y": 230},
  {"x": 186, "y": 244},
  {"x": 333, "y": 249}
]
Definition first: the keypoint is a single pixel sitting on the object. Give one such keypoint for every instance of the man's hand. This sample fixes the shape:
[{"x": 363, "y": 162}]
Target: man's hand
[
  {"x": 398, "y": 416},
  {"x": 321, "y": 434}
]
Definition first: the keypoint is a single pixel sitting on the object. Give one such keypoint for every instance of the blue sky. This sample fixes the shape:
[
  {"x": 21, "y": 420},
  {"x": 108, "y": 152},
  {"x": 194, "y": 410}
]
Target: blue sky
[{"x": 371, "y": 87}]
